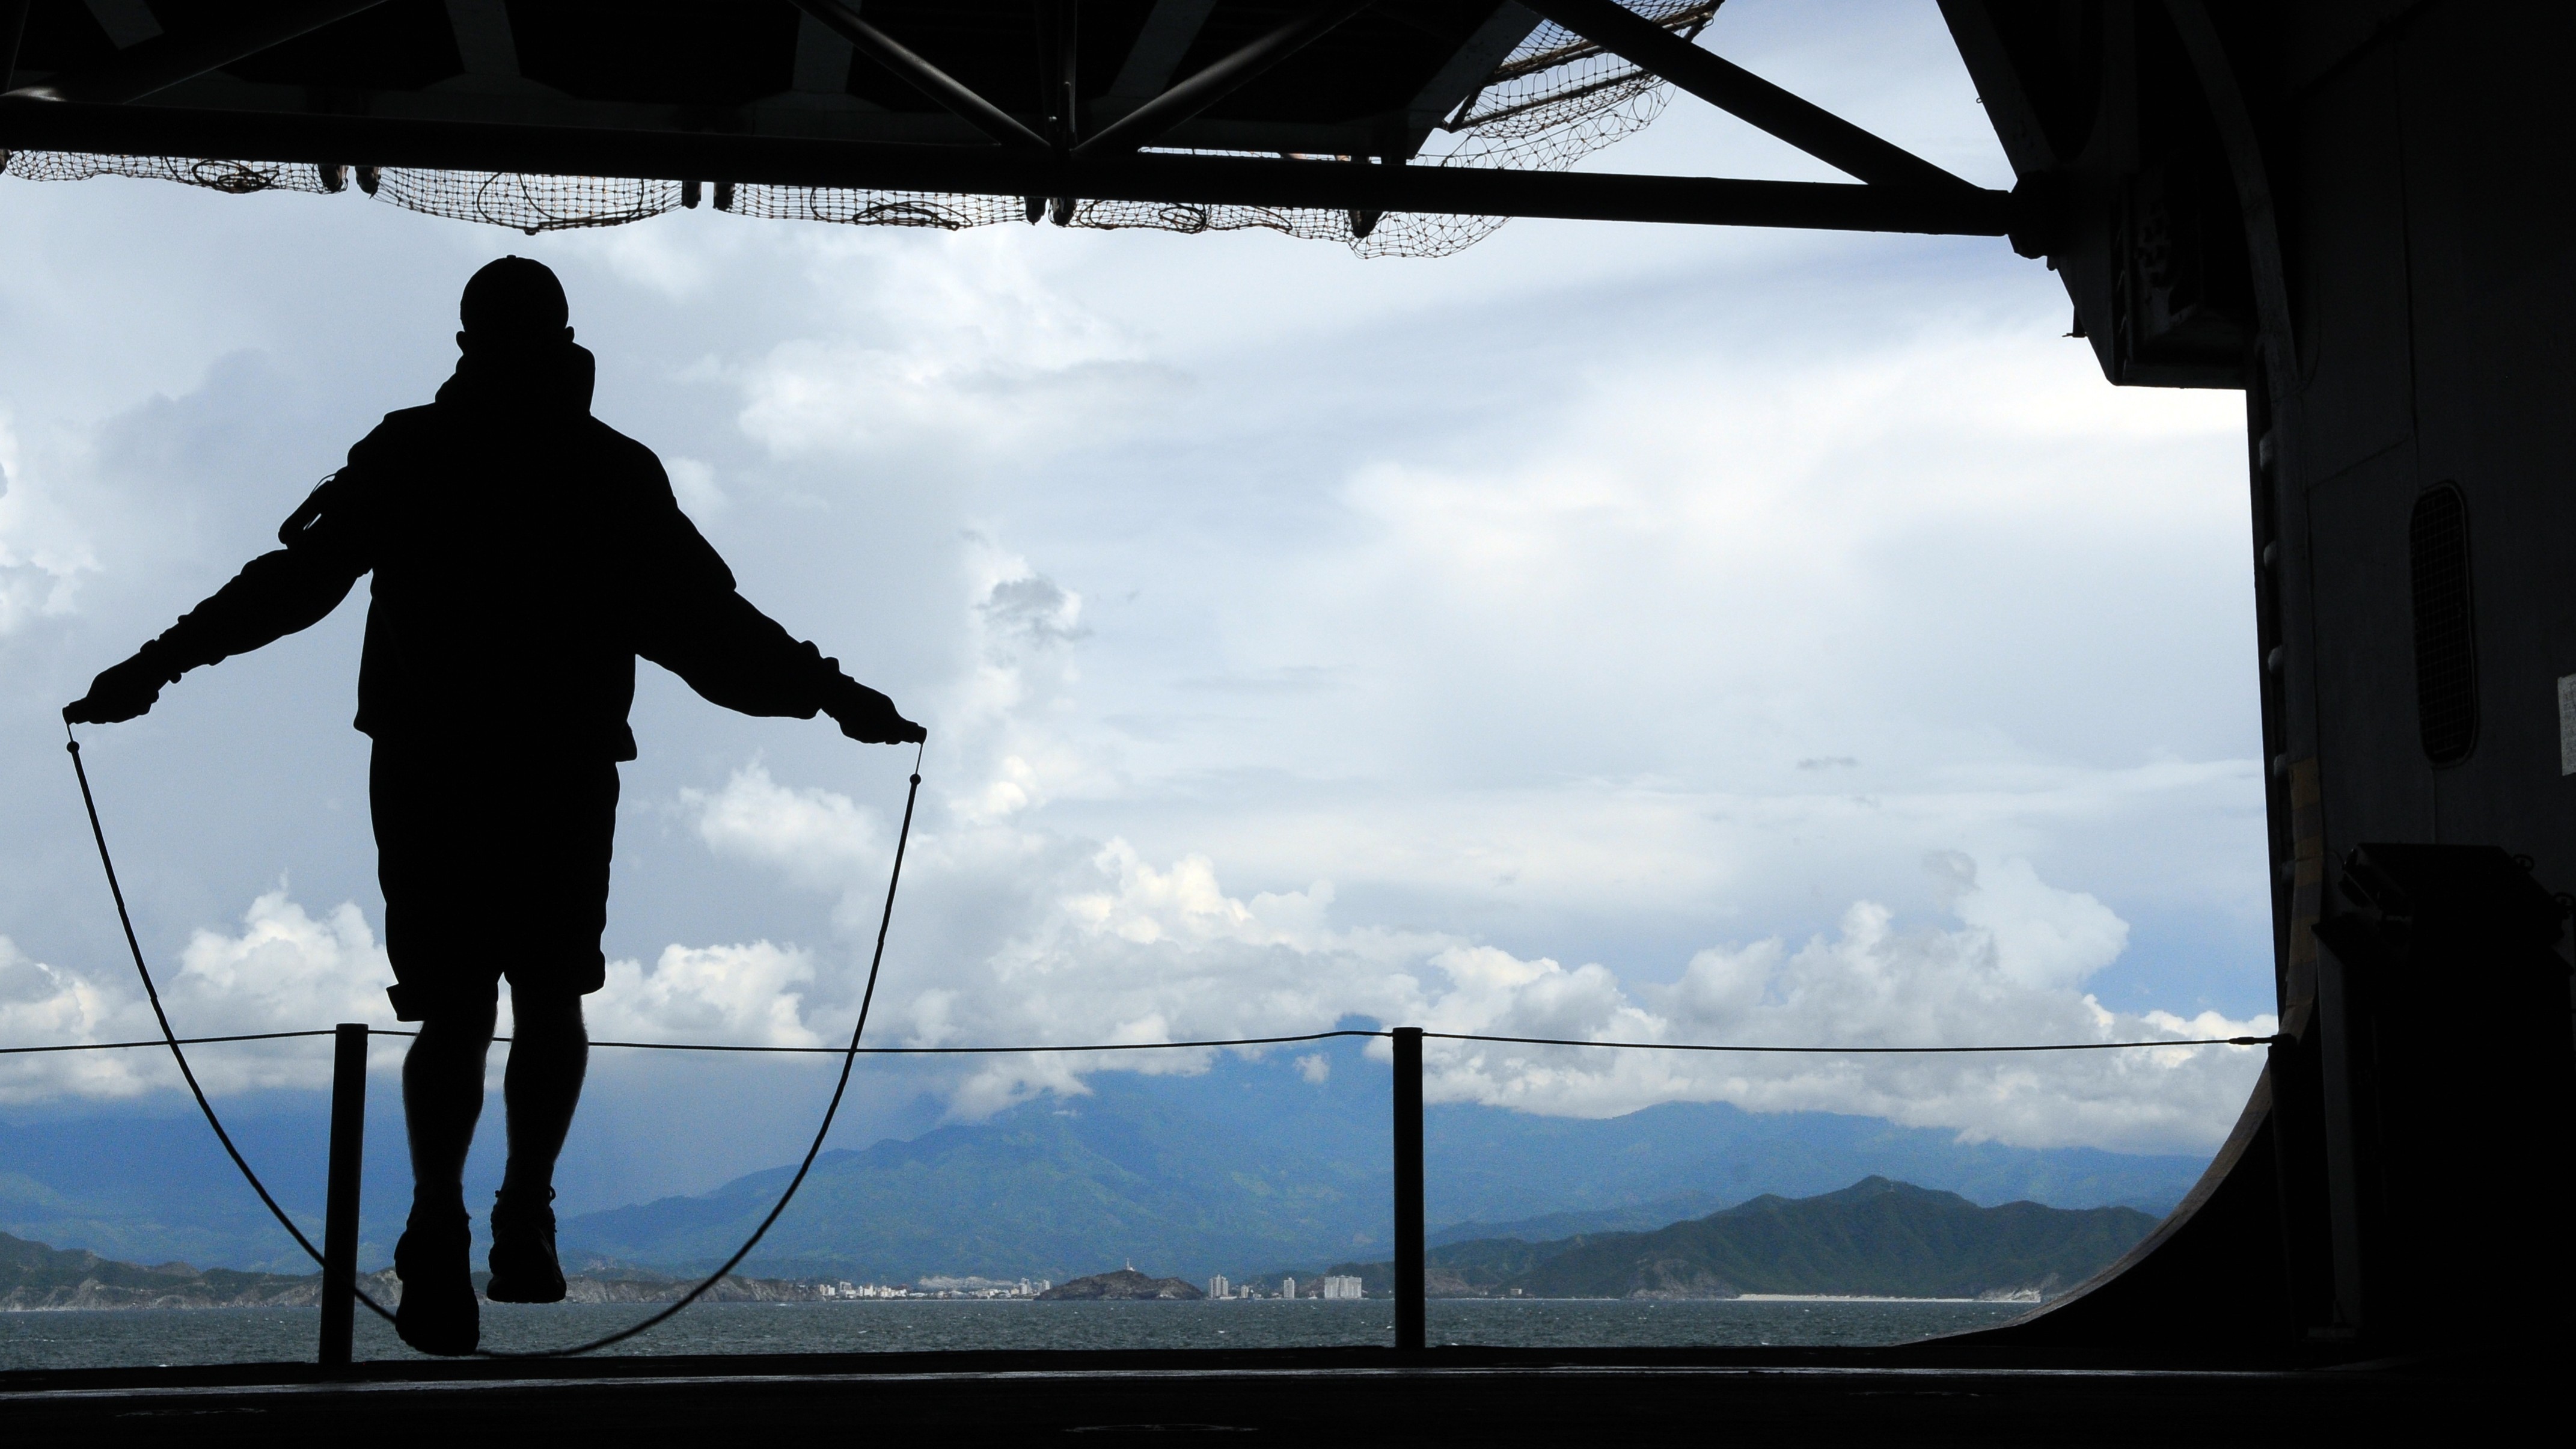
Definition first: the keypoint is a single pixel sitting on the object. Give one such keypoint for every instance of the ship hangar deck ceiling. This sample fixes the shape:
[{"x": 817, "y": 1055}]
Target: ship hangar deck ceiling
[{"x": 1192, "y": 102}]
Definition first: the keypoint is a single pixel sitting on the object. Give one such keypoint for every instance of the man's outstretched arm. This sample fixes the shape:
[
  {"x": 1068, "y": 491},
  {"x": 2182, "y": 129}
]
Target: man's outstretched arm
[
  {"x": 736, "y": 656},
  {"x": 698, "y": 626},
  {"x": 274, "y": 595}
]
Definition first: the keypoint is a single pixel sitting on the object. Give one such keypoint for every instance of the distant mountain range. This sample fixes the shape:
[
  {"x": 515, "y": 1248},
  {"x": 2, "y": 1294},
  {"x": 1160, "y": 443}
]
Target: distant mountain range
[
  {"x": 34, "y": 1276},
  {"x": 153, "y": 1186},
  {"x": 1212, "y": 1176},
  {"x": 1248, "y": 1166},
  {"x": 1875, "y": 1238}
]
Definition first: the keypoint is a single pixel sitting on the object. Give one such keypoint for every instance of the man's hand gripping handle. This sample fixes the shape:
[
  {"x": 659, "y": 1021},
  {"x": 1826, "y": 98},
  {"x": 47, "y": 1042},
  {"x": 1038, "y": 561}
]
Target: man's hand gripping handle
[
  {"x": 869, "y": 717},
  {"x": 121, "y": 692}
]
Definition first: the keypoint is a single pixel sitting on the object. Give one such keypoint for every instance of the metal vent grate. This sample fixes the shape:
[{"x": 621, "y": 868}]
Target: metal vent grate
[{"x": 2446, "y": 641}]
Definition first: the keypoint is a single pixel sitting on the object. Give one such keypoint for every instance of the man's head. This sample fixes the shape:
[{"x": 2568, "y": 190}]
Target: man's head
[{"x": 513, "y": 304}]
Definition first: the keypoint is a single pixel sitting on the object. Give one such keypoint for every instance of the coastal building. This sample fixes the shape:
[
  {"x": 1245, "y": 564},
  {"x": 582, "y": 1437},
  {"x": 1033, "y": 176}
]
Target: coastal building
[
  {"x": 1342, "y": 1285},
  {"x": 1218, "y": 1286},
  {"x": 1287, "y": 1287},
  {"x": 847, "y": 1289}
]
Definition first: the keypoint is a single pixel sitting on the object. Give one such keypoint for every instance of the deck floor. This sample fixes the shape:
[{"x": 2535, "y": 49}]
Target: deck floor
[{"x": 1340, "y": 1398}]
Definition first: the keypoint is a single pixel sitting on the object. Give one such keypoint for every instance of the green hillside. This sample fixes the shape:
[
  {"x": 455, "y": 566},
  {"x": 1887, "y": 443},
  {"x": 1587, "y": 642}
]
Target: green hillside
[
  {"x": 1259, "y": 1170},
  {"x": 1056, "y": 1189},
  {"x": 1876, "y": 1238},
  {"x": 34, "y": 1276}
]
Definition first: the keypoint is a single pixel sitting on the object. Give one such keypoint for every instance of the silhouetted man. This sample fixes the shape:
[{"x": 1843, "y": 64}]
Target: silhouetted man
[{"x": 524, "y": 554}]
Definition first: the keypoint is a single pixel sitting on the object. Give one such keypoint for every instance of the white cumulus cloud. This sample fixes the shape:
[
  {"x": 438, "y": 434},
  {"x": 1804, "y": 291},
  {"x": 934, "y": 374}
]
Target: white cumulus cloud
[
  {"x": 43, "y": 550},
  {"x": 284, "y": 971},
  {"x": 733, "y": 995},
  {"x": 287, "y": 969},
  {"x": 962, "y": 350},
  {"x": 1111, "y": 947}
]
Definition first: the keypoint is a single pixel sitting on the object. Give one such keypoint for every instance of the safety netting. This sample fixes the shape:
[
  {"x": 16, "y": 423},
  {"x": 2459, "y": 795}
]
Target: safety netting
[
  {"x": 238, "y": 177},
  {"x": 1554, "y": 100}
]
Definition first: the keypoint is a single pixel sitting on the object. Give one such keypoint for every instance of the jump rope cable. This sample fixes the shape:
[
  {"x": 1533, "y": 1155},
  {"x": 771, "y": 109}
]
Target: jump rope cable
[
  {"x": 153, "y": 994},
  {"x": 849, "y": 1058}
]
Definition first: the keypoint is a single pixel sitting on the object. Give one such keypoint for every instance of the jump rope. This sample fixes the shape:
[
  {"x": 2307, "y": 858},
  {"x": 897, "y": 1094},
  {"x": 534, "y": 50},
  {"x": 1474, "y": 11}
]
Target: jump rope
[{"x": 849, "y": 1058}]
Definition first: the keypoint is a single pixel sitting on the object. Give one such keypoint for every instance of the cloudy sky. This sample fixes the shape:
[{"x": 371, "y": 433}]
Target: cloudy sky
[{"x": 1645, "y": 633}]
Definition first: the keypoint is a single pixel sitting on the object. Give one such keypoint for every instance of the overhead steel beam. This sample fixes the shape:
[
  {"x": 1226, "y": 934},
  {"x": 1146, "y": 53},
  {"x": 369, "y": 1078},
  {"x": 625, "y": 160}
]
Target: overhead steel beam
[
  {"x": 13, "y": 28},
  {"x": 484, "y": 40},
  {"x": 166, "y": 60},
  {"x": 1059, "y": 34},
  {"x": 1465, "y": 72},
  {"x": 1059, "y": 92},
  {"x": 1141, "y": 126},
  {"x": 1160, "y": 45},
  {"x": 999, "y": 171},
  {"x": 929, "y": 79},
  {"x": 1739, "y": 92},
  {"x": 822, "y": 58},
  {"x": 127, "y": 23}
]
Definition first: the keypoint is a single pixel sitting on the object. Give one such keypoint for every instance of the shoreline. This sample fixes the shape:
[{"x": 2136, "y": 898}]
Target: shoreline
[{"x": 308, "y": 1306}]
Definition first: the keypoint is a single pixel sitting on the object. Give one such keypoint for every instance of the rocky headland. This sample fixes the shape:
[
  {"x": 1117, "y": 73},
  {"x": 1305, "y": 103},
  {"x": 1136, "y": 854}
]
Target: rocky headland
[{"x": 1124, "y": 1285}]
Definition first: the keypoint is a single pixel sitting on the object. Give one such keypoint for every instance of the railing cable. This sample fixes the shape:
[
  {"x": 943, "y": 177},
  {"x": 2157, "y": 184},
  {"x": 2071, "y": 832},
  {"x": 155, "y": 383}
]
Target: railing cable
[
  {"x": 118, "y": 1046},
  {"x": 1243, "y": 1041},
  {"x": 1861, "y": 1051}
]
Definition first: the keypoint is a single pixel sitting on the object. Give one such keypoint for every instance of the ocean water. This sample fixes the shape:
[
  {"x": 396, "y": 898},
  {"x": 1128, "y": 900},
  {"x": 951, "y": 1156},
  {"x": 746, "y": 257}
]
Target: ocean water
[{"x": 128, "y": 1337}]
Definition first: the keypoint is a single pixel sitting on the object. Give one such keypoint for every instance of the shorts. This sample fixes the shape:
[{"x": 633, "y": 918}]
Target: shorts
[{"x": 493, "y": 865}]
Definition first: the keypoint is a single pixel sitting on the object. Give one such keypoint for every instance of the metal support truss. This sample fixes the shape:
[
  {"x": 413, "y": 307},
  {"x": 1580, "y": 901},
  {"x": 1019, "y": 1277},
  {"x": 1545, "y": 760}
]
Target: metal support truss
[
  {"x": 166, "y": 60},
  {"x": 13, "y": 28},
  {"x": 1143, "y": 125},
  {"x": 929, "y": 79},
  {"x": 1739, "y": 92},
  {"x": 1059, "y": 97},
  {"x": 1963, "y": 210}
]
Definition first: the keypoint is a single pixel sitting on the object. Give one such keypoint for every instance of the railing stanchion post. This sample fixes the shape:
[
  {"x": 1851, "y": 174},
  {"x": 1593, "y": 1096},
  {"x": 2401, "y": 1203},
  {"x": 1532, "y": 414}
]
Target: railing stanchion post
[
  {"x": 1408, "y": 1189},
  {"x": 340, "y": 1208}
]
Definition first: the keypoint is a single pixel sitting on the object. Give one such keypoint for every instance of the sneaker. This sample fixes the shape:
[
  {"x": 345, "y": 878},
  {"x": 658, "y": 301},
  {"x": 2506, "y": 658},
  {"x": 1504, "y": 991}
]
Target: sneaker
[
  {"x": 524, "y": 1268},
  {"x": 434, "y": 1259}
]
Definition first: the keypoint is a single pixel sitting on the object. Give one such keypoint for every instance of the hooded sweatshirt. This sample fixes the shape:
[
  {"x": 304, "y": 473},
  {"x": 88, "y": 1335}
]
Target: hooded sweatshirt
[{"x": 524, "y": 555}]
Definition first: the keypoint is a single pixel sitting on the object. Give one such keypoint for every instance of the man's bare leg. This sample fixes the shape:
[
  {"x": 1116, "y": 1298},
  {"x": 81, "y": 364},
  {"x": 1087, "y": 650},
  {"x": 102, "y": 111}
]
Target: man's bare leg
[
  {"x": 549, "y": 1052},
  {"x": 442, "y": 1098}
]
